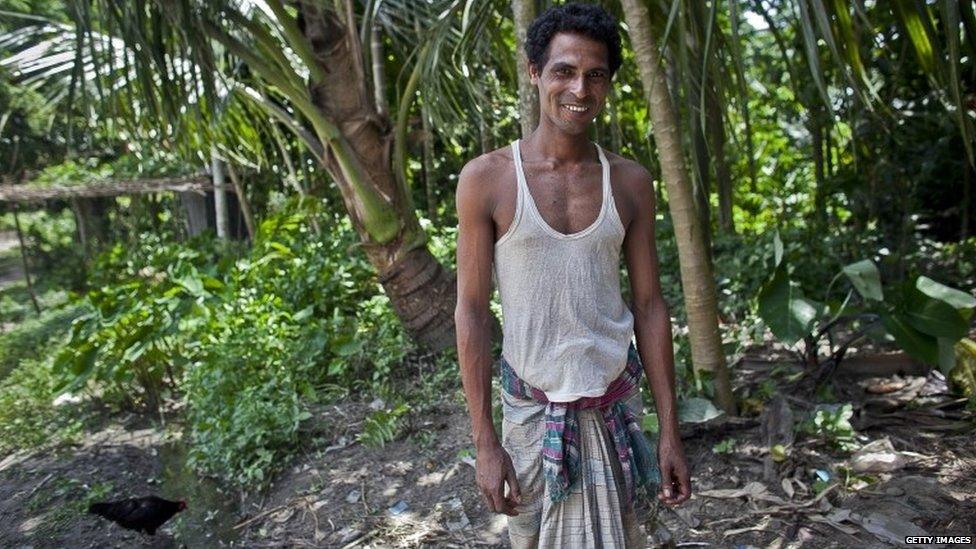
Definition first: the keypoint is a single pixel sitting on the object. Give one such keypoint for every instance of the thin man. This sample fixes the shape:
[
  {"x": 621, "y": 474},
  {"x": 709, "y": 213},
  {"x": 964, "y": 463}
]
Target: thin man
[{"x": 545, "y": 220}]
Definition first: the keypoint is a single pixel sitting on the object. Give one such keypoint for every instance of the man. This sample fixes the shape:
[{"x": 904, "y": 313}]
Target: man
[{"x": 548, "y": 217}]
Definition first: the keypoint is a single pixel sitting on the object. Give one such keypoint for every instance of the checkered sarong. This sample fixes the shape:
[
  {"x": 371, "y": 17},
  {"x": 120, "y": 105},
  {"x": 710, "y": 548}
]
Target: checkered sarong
[{"x": 560, "y": 447}]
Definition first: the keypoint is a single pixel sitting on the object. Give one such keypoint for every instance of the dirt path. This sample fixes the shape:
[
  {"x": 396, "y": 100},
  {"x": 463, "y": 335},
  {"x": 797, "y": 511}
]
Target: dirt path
[{"x": 419, "y": 490}]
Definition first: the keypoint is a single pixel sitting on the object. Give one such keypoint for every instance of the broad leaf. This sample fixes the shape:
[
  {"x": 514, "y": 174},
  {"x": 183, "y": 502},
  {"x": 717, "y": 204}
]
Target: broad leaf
[
  {"x": 947, "y": 355},
  {"x": 866, "y": 279},
  {"x": 784, "y": 309},
  {"x": 697, "y": 410},
  {"x": 962, "y": 301},
  {"x": 917, "y": 344},
  {"x": 934, "y": 317}
]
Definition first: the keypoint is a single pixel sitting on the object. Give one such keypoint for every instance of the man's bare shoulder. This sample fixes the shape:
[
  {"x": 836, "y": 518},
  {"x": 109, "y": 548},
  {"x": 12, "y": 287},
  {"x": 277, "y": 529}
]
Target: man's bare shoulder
[
  {"x": 479, "y": 177},
  {"x": 627, "y": 170},
  {"x": 483, "y": 167}
]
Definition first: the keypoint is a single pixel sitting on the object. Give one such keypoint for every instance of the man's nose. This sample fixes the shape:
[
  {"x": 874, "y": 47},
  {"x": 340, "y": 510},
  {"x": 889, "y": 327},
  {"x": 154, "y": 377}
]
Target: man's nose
[{"x": 578, "y": 87}]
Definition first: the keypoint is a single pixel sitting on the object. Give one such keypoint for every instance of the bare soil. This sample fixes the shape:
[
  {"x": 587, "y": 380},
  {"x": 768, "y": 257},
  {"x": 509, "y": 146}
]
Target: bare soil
[{"x": 419, "y": 490}]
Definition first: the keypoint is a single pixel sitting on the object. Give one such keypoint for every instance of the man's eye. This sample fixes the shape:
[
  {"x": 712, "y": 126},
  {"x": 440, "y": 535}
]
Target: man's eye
[{"x": 597, "y": 75}]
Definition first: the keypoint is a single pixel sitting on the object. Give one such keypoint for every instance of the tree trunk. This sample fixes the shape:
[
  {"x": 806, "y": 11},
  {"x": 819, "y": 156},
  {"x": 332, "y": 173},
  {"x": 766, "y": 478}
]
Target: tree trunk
[
  {"x": 379, "y": 69},
  {"x": 702, "y": 182},
  {"x": 220, "y": 194},
  {"x": 81, "y": 223},
  {"x": 701, "y": 161},
  {"x": 423, "y": 293},
  {"x": 91, "y": 221},
  {"x": 715, "y": 126},
  {"x": 696, "y": 270},
  {"x": 242, "y": 200},
  {"x": 23, "y": 259},
  {"x": 524, "y": 12}
]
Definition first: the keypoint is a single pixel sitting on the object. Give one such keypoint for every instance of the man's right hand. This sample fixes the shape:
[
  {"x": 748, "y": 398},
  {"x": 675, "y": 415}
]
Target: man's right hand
[{"x": 493, "y": 468}]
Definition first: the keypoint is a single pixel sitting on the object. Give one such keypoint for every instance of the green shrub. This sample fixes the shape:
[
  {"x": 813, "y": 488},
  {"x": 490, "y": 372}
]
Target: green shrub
[
  {"x": 143, "y": 312},
  {"x": 831, "y": 424},
  {"x": 302, "y": 313},
  {"x": 247, "y": 339},
  {"x": 32, "y": 338},
  {"x": 28, "y": 418},
  {"x": 383, "y": 426}
]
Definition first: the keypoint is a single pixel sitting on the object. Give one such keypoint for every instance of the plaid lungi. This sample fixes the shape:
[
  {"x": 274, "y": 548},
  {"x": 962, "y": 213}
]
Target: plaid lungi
[{"x": 598, "y": 510}]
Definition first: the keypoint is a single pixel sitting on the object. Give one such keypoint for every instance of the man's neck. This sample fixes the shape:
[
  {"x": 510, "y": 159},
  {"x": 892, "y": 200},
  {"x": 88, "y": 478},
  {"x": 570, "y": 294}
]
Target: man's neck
[{"x": 560, "y": 148}]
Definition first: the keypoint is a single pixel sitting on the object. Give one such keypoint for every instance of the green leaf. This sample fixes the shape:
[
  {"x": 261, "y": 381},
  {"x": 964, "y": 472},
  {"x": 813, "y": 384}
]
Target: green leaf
[
  {"x": 917, "y": 344},
  {"x": 135, "y": 351},
  {"x": 285, "y": 250},
  {"x": 934, "y": 317},
  {"x": 947, "y": 355},
  {"x": 866, "y": 278},
  {"x": 697, "y": 410},
  {"x": 783, "y": 308},
  {"x": 957, "y": 298},
  {"x": 193, "y": 285},
  {"x": 212, "y": 283},
  {"x": 916, "y": 30},
  {"x": 303, "y": 314}
]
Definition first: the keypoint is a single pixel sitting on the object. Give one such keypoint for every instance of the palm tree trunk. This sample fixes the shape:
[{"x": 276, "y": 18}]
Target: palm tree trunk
[
  {"x": 696, "y": 270},
  {"x": 702, "y": 183},
  {"x": 524, "y": 12},
  {"x": 379, "y": 70},
  {"x": 242, "y": 200},
  {"x": 715, "y": 126},
  {"x": 220, "y": 194},
  {"x": 423, "y": 293},
  {"x": 23, "y": 259}
]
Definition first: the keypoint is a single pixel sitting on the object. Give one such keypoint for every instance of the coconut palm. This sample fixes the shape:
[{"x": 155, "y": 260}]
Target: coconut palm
[
  {"x": 206, "y": 72},
  {"x": 701, "y": 301}
]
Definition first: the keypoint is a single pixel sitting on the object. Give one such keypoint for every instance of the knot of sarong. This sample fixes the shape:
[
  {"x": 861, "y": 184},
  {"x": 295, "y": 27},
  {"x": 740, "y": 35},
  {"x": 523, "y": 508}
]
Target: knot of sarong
[{"x": 561, "y": 442}]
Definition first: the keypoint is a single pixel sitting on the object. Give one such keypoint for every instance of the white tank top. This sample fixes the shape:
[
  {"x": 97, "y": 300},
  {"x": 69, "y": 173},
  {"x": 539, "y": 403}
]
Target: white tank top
[{"x": 566, "y": 327}]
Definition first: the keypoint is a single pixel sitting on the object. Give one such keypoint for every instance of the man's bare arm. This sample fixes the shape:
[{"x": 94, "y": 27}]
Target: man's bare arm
[
  {"x": 472, "y": 317},
  {"x": 652, "y": 328}
]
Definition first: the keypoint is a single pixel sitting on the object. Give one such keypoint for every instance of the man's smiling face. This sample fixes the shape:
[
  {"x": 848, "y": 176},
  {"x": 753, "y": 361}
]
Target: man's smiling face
[{"x": 574, "y": 82}]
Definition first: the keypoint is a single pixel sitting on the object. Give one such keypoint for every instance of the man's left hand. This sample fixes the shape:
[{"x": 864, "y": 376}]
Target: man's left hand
[{"x": 675, "y": 477}]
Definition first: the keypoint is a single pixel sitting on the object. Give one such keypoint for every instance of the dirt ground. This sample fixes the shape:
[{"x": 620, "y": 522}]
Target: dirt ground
[{"x": 419, "y": 490}]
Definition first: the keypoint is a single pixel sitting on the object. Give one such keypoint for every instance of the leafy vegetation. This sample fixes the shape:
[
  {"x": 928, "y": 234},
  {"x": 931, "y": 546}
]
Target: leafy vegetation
[
  {"x": 831, "y": 423},
  {"x": 830, "y": 147}
]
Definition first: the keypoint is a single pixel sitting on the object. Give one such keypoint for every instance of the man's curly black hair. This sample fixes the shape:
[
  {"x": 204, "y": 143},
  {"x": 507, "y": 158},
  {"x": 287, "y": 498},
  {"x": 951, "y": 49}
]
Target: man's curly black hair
[{"x": 589, "y": 20}]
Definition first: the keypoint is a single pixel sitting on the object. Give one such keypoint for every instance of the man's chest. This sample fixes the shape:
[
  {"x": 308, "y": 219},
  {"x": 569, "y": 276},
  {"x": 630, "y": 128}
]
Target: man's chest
[{"x": 568, "y": 203}]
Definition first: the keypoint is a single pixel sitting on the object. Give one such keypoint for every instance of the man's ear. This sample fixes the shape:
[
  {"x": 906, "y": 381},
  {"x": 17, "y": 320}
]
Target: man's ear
[{"x": 533, "y": 73}]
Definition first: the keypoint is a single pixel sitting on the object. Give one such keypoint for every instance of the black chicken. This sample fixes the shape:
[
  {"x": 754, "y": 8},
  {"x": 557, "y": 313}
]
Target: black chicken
[{"x": 145, "y": 513}]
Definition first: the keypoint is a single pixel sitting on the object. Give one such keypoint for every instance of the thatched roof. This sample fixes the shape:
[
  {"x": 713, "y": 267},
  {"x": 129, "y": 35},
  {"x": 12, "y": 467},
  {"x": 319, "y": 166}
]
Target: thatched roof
[{"x": 34, "y": 193}]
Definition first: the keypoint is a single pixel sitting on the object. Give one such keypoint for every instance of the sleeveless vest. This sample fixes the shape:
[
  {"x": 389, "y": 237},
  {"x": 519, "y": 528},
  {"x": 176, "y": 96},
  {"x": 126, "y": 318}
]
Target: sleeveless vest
[{"x": 566, "y": 327}]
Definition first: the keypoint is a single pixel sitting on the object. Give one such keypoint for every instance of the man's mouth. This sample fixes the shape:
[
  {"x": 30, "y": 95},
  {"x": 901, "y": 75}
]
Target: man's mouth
[{"x": 575, "y": 108}]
